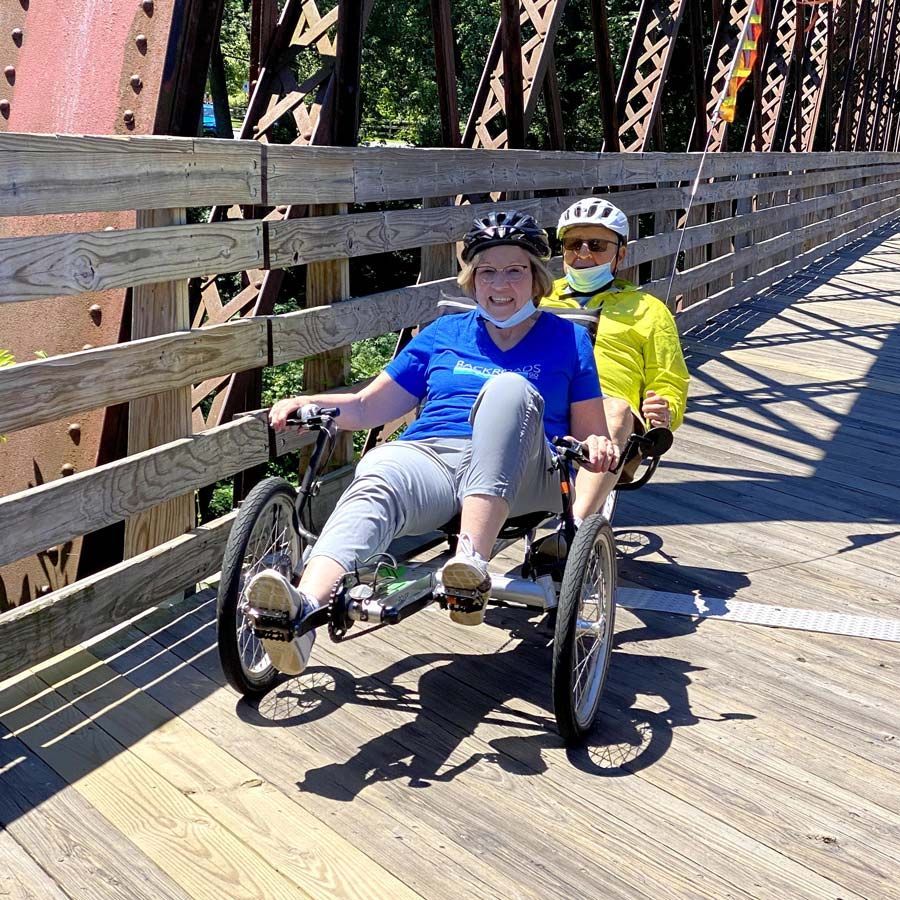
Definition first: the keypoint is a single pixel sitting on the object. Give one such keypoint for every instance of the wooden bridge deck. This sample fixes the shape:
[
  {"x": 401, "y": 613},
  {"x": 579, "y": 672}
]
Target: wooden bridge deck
[{"x": 732, "y": 760}]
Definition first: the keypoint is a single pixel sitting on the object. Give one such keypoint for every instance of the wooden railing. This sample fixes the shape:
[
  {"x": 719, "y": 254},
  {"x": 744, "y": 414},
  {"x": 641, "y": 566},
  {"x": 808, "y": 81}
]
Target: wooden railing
[{"x": 755, "y": 219}]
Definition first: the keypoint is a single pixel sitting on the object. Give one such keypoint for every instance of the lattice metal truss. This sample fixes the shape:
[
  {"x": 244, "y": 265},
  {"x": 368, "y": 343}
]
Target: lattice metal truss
[
  {"x": 879, "y": 35},
  {"x": 878, "y": 105},
  {"x": 639, "y": 97},
  {"x": 724, "y": 46},
  {"x": 539, "y": 21},
  {"x": 852, "y": 89},
  {"x": 888, "y": 138},
  {"x": 814, "y": 77},
  {"x": 277, "y": 95},
  {"x": 776, "y": 69}
]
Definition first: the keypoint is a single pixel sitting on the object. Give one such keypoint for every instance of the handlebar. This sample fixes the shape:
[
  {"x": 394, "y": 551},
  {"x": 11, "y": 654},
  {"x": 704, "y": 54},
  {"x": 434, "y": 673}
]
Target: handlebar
[
  {"x": 312, "y": 416},
  {"x": 650, "y": 445},
  {"x": 571, "y": 449}
]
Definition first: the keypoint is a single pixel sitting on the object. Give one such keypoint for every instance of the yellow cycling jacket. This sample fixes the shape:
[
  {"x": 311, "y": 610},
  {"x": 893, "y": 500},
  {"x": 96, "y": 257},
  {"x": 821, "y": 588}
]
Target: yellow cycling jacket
[{"x": 637, "y": 347}]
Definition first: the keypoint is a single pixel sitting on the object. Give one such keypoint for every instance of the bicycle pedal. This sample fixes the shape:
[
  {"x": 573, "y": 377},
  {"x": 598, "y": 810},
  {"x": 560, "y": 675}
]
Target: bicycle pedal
[
  {"x": 461, "y": 600},
  {"x": 270, "y": 625}
]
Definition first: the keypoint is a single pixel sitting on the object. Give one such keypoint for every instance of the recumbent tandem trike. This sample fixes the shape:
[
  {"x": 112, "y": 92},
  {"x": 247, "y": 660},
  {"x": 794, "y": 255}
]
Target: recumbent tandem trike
[{"x": 272, "y": 531}]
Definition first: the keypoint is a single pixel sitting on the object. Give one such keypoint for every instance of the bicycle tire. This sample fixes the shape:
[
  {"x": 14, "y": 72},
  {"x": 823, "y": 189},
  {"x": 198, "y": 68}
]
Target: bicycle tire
[
  {"x": 583, "y": 636},
  {"x": 264, "y": 536}
]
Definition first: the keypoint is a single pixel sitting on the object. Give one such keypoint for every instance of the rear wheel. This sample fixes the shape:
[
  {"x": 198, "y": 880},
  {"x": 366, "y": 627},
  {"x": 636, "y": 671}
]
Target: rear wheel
[
  {"x": 263, "y": 536},
  {"x": 584, "y": 628}
]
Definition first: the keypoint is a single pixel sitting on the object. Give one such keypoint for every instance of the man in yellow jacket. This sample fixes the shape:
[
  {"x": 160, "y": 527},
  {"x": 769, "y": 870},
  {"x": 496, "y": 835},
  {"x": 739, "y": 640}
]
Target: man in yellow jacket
[{"x": 642, "y": 372}]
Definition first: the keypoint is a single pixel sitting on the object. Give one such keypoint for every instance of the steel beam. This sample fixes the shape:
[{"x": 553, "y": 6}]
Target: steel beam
[
  {"x": 640, "y": 92},
  {"x": 539, "y": 21}
]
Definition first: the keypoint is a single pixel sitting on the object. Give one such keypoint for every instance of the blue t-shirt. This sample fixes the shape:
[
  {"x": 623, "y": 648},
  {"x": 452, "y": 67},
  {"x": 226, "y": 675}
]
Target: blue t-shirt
[{"x": 448, "y": 362}]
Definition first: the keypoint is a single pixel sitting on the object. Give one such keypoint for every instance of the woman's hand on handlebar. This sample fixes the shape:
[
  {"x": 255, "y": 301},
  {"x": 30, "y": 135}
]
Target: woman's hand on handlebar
[
  {"x": 599, "y": 452},
  {"x": 284, "y": 409}
]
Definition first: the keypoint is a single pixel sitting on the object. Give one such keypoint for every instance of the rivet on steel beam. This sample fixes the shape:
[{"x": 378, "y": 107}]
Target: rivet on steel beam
[
  {"x": 140, "y": 41},
  {"x": 95, "y": 311},
  {"x": 74, "y": 431},
  {"x": 147, "y": 6},
  {"x": 136, "y": 83},
  {"x": 10, "y": 73},
  {"x": 17, "y": 36},
  {"x": 66, "y": 470},
  {"x": 128, "y": 118},
  {"x": 4, "y": 108}
]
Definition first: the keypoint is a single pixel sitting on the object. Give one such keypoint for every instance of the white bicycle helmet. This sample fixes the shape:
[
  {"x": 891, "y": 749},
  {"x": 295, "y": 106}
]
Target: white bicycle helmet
[{"x": 594, "y": 211}]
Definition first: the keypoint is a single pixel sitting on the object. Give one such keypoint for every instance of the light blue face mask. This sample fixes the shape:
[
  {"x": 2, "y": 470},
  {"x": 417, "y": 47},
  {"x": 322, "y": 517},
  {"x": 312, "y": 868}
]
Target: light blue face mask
[
  {"x": 529, "y": 309},
  {"x": 591, "y": 280}
]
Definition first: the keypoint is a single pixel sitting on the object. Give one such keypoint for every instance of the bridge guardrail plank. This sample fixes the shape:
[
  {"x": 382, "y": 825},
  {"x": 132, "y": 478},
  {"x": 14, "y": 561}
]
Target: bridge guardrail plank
[
  {"x": 769, "y": 249},
  {"x": 43, "y": 390},
  {"x": 38, "y": 630}
]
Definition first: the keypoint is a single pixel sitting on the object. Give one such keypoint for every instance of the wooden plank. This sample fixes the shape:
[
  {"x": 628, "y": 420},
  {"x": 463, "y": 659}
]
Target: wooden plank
[
  {"x": 66, "y": 264},
  {"x": 60, "y": 510},
  {"x": 44, "y": 390},
  {"x": 432, "y": 862},
  {"x": 21, "y": 878},
  {"x": 160, "y": 308},
  {"x": 57, "y": 174},
  {"x": 236, "y": 794},
  {"x": 70, "y": 173},
  {"x": 204, "y": 858},
  {"x": 301, "y": 334},
  {"x": 34, "y": 632},
  {"x": 69, "y": 842},
  {"x": 69, "y": 264}
]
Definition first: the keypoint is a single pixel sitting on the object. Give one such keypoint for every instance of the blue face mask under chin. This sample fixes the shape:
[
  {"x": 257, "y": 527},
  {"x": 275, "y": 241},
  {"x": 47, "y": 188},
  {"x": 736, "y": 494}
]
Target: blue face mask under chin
[
  {"x": 529, "y": 309},
  {"x": 591, "y": 280}
]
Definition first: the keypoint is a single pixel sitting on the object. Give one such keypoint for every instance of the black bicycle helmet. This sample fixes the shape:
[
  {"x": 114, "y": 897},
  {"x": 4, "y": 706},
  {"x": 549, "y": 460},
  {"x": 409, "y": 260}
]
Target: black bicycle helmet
[{"x": 513, "y": 228}]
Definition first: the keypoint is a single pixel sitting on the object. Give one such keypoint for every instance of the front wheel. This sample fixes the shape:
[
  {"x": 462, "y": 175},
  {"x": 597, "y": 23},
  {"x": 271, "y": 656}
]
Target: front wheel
[
  {"x": 264, "y": 536},
  {"x": 585, "y": 622}
]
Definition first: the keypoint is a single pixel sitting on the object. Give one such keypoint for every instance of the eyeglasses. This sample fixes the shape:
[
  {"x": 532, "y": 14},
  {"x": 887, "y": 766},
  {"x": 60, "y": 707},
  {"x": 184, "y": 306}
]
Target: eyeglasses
[
  {"x": 490, "y": 275},
  {"x": 595, "y": 245}
]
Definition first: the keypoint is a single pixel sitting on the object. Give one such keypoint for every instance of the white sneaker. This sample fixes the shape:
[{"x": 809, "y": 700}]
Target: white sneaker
[
  {"x": 468, "y": 572},
  {"x": 270, "y": 591}
]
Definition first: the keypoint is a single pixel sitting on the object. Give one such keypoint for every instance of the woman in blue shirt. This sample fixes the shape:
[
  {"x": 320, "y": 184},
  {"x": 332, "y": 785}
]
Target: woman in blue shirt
[{"x": 494, "y": 385}]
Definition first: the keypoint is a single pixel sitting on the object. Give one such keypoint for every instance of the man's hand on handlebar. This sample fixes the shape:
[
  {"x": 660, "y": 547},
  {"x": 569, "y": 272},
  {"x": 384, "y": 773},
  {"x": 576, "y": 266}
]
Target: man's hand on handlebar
[{"x": 655, "y": 410}]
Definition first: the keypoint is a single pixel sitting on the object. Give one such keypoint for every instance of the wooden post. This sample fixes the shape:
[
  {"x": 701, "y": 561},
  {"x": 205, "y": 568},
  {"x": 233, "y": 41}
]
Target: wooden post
[
  {"x": 329, "y": 282},
  {"x": 159, "y": 309}
]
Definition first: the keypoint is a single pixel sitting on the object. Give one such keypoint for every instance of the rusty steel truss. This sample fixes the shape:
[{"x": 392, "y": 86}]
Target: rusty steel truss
[{"x": 826, "y": 78}]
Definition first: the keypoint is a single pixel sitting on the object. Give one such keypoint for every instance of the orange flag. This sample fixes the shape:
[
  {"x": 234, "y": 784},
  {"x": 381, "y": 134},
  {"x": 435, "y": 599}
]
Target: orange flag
[{"x": 744, "y": 60}]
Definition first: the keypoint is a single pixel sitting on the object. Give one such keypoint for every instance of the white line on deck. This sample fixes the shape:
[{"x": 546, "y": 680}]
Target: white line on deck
[{"x": 759, "y": 614}]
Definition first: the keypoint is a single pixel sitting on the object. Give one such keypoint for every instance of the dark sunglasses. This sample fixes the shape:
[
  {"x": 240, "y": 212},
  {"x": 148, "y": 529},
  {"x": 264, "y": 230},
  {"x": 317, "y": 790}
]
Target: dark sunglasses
[{"x": 595, "y": 245}]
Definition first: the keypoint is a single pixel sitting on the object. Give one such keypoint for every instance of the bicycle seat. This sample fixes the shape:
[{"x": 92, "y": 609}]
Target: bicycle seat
[{"x": 513, "y": 528}]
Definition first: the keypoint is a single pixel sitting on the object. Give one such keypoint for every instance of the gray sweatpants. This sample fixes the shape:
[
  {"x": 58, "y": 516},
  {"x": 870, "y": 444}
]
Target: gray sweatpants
[{"x": 413, "y": 487}]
